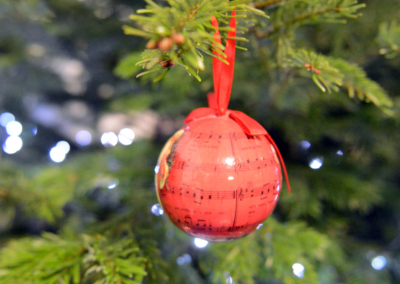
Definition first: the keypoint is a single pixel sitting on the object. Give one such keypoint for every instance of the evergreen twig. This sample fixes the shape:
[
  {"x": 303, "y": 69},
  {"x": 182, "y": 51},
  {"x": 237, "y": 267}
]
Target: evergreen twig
[{"x": 389, "y": 39}]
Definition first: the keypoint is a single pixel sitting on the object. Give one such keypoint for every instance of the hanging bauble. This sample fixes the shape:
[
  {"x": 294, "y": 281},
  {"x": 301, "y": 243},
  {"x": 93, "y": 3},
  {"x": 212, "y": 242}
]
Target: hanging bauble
[{"x": 219, "y": 176}]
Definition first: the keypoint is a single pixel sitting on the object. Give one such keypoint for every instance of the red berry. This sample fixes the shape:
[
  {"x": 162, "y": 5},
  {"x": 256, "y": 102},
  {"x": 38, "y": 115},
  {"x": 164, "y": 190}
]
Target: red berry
[
  {"x": 165, "y": 44},
  {"x": 178, "y": 38},
  {"x": 151, "y": 44}
]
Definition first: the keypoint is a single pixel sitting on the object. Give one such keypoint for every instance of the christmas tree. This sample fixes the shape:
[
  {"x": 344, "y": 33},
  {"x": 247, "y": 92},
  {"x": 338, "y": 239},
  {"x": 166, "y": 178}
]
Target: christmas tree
[{"x": 91, "y": 90}]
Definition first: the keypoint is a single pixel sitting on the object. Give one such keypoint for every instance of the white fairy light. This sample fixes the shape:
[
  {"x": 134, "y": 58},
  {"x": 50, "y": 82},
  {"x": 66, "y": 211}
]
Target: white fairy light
[
  {"x": 109, "y": 139},
  {"x": 83, "y": 138},
  {"x": 379, "y": 262},
  {"x": 316, "y": 163},
  {"x": 12, "y": 145},
  {"x": 126, "y": 136},
  {"x": 64, "y": 145},
  {"x": 113, "y": 183},
  {"x": 200, "y": 243},
  {"x": 6, "y": 118},
  {"x": 57, "y": 154},
  {"x": 298, "y": 270},
  {"x": 157, "y": 210},
  {"x": 14, "y": 128}
]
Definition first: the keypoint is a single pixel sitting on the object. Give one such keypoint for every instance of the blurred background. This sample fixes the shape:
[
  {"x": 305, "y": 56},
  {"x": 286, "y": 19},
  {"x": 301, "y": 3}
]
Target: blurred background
[{"x": 80, "y": 138}]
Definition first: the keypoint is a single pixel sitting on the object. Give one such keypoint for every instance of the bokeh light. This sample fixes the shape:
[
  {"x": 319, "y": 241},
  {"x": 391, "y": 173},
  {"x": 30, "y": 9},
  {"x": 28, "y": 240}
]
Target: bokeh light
[
  {"x": 316, "y": 163},
  {"x": 14, "y": 128},
  {"x": 186, "y": 258},
  {"x": 113, "y": 183},
  {"x": 6, "y": 118},
  {"x": 12, "y": 145},
  {"x": 83, "y": 138},
  {"x": 157, "y": 209},
  {"x": 200, "y": 243},
  {"x": 109, "y": 139},
  {"x": 379, "y": 262},
  {"x": 126, "y": 136},
  {"x": 64, "y": 145},
  {"x": 305, "y": 144},
  {"x": 298, "y": 270},
  {"x": 57, "y": 154}
]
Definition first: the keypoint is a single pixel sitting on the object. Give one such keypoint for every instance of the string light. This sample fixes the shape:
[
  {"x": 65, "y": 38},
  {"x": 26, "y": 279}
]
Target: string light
[
  {"x": 200, "y": 243},
  {"x": 298, "y": 270},
  {"x": 316, "y": 163},
  {"x": 157, "y": 210},
  {"x": 83, "y": 138},
  {"x": 379, "y": 262},
  {"x": 12, "y": 145},
  {"x": 126, "y": 136}
]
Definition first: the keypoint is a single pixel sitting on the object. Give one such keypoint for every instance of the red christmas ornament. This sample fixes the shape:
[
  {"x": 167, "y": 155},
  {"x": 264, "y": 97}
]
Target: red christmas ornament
[{"x": 219, "y": 176}]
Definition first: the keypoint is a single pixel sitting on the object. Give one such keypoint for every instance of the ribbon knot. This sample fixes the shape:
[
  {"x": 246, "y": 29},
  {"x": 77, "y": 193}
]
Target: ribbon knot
[{"x": 219, "y": 100}]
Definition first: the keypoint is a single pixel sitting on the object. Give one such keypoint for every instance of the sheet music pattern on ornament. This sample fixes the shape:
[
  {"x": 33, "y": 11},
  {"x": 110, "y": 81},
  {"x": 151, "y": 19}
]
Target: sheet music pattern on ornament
[
  {"x": 246, "y": 166},
  {"x": 198, "y": 193},
  {"x": 221, "y": 183}
]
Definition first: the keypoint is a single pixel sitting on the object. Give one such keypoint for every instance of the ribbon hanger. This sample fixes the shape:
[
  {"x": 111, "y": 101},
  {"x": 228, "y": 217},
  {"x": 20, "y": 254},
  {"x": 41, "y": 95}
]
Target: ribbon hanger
[
  {"x": 219, "y": 100},
  {"x": 223, "y": 73}
]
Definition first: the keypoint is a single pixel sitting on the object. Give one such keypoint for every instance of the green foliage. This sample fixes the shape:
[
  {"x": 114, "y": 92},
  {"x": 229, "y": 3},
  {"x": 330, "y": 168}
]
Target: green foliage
[
  {"x": 51, "y": 190},
  {"x": 127, "y": 67},
  {"x": 330, "y": 73},
  {"x": 272, "y": 251},
  {"x": 389, "y": 39},
  {"x": 317, "y": 67},
  {"x": 337, "y": 219},
  {"x": 49, "y": 259},
  {"x": 327, "y": 73},
  {"x": 118, "y": 261},
  {"x": 181, "y": 32},
  {"x": 358, "y": 84},
  {"x": 52, "y": 259},
  {"x": 344, "y": 192},
  {"x": 293, "y": 14}
]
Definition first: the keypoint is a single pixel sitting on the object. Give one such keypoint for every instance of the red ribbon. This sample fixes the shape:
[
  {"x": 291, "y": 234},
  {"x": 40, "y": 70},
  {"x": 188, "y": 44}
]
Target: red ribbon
[{"x": 219, "y": 100}]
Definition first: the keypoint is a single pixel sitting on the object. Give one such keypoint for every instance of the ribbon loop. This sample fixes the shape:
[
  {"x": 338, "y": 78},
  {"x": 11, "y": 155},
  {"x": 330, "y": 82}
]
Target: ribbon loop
[
  {"x": 223, "y": 73},
  {"x": 219, "y": 100}
]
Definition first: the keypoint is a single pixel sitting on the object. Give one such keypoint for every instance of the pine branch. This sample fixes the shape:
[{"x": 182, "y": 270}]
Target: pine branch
[
  {"x": 357, "y": 83},
  {"x": 292, "y": 14},
  {"x": 273, "y": 250},
  {"x": 178, "y": 34},
  {"x": 331, "y": 73},
  {"x": 389, "y": 39},
  {"x": 86, "y": 259},
  {"x": 43, "y": 196},
  {"x": 48, "y": 259},
  {"x": 343, "y": 191},
  {"x": 265, "y": 4},
  {"x": 316, "y": 67}
]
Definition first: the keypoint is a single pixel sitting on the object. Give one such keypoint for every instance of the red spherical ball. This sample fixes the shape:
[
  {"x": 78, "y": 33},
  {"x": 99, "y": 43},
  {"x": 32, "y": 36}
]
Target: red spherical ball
[{"x": 215, "y": 182}]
